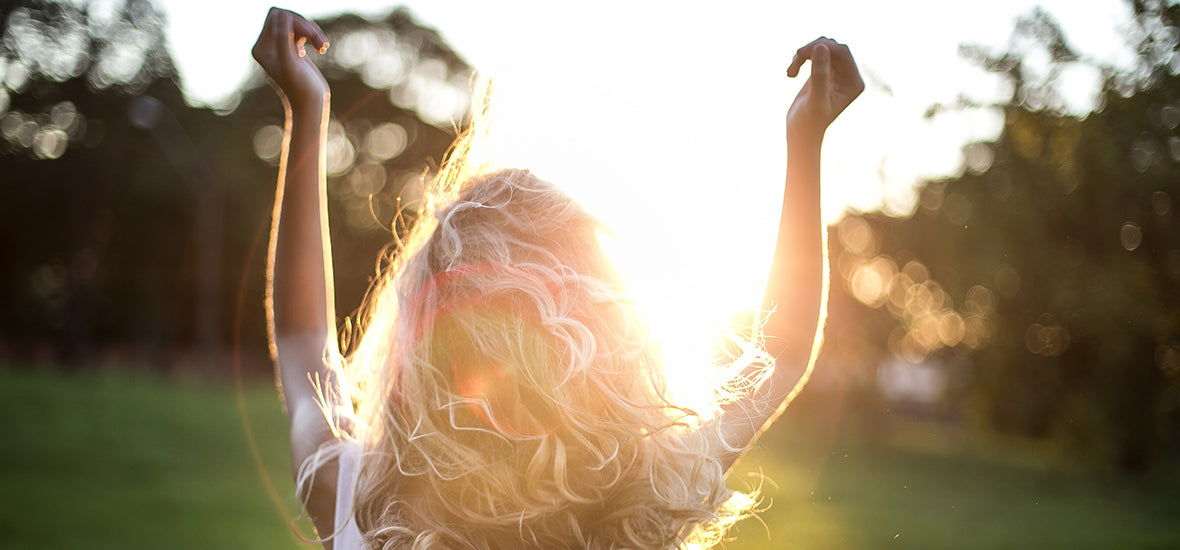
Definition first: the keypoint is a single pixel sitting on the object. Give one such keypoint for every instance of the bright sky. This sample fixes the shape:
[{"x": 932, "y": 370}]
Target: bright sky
[{"x": 672, "y": 113}]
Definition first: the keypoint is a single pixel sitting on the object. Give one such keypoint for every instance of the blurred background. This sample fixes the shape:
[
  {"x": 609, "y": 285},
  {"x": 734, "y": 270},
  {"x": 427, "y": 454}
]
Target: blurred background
[{"x": 1002, "y": 363}]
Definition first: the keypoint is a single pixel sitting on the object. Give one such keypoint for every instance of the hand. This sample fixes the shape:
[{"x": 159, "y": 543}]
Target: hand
[
  {"x": 279, "y": 50},
  {"x": 833, "y": 84}
]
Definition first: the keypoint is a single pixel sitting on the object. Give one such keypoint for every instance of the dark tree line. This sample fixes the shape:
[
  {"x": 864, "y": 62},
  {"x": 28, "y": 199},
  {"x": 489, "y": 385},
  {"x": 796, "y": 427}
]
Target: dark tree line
[
  {"x": 129, "y": 220},
  {"x": 1044, "y": 282}
]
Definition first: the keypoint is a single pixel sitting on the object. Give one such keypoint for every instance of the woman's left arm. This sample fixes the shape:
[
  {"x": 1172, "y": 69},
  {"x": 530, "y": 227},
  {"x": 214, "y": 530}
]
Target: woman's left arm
[{"x": 300, "y": 308}]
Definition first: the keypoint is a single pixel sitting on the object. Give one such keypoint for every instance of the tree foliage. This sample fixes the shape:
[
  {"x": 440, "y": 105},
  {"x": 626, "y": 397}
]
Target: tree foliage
[
  {"x": 132, "y": 222},
  {"x": 1045, "y": 280}
]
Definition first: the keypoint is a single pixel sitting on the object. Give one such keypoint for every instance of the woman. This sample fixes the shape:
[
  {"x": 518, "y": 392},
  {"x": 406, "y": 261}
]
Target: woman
[{"x": 504, "y": 392}]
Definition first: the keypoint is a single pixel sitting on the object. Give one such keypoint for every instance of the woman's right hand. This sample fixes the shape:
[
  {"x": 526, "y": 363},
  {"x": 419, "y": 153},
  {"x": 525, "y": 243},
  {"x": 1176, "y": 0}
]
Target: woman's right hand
[
  {"x": 279, "y": 50},
  {"x": 834, "y": 83}
]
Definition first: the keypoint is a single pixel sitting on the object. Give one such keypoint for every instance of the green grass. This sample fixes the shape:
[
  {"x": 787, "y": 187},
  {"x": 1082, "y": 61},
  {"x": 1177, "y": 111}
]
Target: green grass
[
  {"x": 861, "y": 495},
  {"x": 120, "y": 461},
  {"x": 114, "y": 461}
]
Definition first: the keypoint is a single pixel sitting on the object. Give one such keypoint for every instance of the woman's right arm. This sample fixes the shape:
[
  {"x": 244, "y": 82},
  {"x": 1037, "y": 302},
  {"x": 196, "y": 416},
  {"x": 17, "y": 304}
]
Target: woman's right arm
[{"x": 300, "y": 311}]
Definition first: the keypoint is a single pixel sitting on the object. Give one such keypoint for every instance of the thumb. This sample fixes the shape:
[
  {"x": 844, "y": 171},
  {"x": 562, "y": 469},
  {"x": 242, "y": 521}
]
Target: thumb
[{"x": 821, "y": 63}]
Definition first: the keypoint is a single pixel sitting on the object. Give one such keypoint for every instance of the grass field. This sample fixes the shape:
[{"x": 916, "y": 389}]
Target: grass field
[{"x": 111, "y": 460}]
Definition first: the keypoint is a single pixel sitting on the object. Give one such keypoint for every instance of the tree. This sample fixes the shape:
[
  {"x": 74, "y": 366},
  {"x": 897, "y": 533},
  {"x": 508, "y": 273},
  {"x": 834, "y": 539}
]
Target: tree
[
  {"x": 67, "y": 148},
  {"x": 120, "y": 200},
  {"x": 1053, "y": 262}
]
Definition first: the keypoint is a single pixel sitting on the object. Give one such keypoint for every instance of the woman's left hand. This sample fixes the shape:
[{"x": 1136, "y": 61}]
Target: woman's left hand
[{"x": 279, "y": 50}]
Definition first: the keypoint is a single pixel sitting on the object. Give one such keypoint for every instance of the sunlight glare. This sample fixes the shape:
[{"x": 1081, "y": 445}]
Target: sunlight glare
[{"x": 690, "y": 233}]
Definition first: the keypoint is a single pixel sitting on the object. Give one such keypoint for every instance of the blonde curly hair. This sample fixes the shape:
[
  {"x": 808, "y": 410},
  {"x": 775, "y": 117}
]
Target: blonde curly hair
[{"x": 508, "y": 393}]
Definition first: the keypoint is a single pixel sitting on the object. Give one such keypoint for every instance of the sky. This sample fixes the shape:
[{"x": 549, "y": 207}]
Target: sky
[
  {"x": 700, "y": 72},
  {"x": 671, "y": 114},
  {"x": 701, "y": 82}
]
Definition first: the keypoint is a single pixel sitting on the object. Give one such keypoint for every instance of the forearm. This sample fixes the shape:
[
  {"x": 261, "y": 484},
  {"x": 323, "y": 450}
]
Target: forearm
[
  {"x": 796, "y": 286},
  {"x": 794, "y": 298},
  {"x": 301, "y": 309}
]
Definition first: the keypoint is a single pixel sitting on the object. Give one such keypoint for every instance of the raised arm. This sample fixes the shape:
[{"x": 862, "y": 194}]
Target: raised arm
[
  {"x": 797, "y": 288},
  {"x": 300, "y": 311}
]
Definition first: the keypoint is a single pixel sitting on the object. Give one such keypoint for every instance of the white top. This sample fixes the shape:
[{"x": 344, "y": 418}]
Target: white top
[{"x": 348, "y": 535}]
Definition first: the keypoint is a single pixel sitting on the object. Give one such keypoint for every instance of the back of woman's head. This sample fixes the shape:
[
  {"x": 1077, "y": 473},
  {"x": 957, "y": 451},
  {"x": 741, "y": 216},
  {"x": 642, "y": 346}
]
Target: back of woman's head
[
  {"x": 511, "y": 217},
  {"x": 511, "y": 395}
]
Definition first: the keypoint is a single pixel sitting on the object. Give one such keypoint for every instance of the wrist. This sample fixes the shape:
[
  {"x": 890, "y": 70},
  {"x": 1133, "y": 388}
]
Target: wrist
[
  {"x": 801, "y": 142},
  {"x": 312, "y": 109}
]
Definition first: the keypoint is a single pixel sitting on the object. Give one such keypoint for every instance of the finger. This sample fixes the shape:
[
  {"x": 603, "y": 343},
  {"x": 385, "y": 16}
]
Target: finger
[
  {"x": 842, "y": 62},
  {"x": 308, "y": 30},
  {"x": 821, "y": 65},
  {"x": 268, "y": 25},
  {"x": 843, "y": 71},
  {"x": 279, "y": 21},
  {"x": 796, "y": 63},
  {"x": 264, "y": 45},
  {"x": 840, "y": 52},
  {"x": 801, "y": 55}
]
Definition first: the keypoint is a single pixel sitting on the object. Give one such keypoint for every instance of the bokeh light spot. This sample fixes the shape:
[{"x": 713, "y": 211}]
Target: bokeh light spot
[
  {"x": 17, "y": 76},
  {"x": 10, "y": 123},
  {"x": 441, "y": 104},
  {"x": 404, "y": 95},
  {"x": 367, "y": 179},
  {"x": 925, "y": 332},
  {"x": 122, "y": 63},
  {"x": 352, "y": 49},
  {"x": 1131, "y": 236},
  {"x": 979, "y": 300},
  {"x": 951, "y": 328},
  {"x": 431, "y": 69},
  {"x": 27, "y": 132},
  {"x": 1161, "y": 203},
  {"x": 50, "y": 143},
  {"x": 268, "y": 143},
  {"x": 978, "y": 157},
  {"x": 932, "y": 197},
  {"x": 386, "y": 141},
  {"x": 856, "y": 236},
  {"x": 1047, "y": 337},
  {"x": 1169, "y": 117},
  {"x": 975, "y": 331},
  {"x": 389, "y": 61},
  {"x": 412, "y": 185},
  {"x": 871, "y": 282},
  {"x": 384, "y": 70},
  {"x": 340, "y": 152},
  {"x": 916, "y": 271},
  {"x": 64, "y": 115},
  {"x": 1143, "y": 154}
]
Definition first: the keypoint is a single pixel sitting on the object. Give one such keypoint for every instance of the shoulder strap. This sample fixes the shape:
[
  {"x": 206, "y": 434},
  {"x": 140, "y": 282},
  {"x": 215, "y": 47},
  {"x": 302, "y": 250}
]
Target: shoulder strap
[{"x": 348, "y": 536}]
